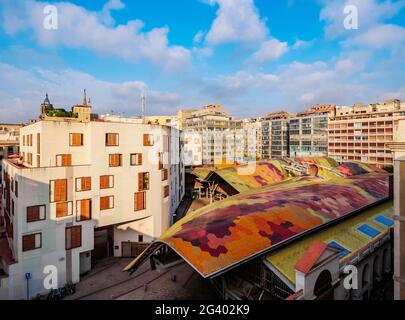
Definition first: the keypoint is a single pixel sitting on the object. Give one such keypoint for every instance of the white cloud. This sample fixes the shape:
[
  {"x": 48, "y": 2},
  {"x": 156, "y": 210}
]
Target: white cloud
[
  {"x": 24, "y": 90},
  {"x": 82, "y": 29},
  {"x": 198, "y": 37},
  {"x": 105, "y": 15},
  {"x": 270, "y": 50},
  {"x": 236, "y": 21},
  {"x": 371, "y": 13},
  {"x": 378, "y": 37},
  {"x": 298, "y": 44}
]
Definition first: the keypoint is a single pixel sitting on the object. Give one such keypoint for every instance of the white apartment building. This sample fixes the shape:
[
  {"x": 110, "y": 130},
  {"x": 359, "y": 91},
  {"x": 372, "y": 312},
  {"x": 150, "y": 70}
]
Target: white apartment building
[
  {"x": 252, "y": 139},
  {"x": 221, "y": 137},
  {"x": 84, "y": 190},
  {"x": 275, "y": 135},
  {"x": 308, "y": 132},
  {"x": 9, "y": 139}
]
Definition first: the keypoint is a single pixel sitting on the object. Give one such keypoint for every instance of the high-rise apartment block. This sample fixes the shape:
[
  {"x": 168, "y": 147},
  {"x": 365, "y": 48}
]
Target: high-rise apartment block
[
  {"x": 84, "y": 189},
  {"x": 308, "y": 132},
  {"x": 361, "y": 132},
  {"x": 275, "y": 135},
  {"x": 221, "y": 136}
]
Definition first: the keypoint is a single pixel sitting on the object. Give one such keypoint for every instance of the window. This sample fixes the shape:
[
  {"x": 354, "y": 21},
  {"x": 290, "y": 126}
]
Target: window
[
  {"x": 140, "y": 238},
  {"x": 111, "y": 139},
  {"x": 115, "y": 160},
  {"x": 64, "y": 209},
  {"x": 63, "y": 160},
  {"x": 36, "y": 213},
  {"x": 140, "y": 201},
  {"x": 31, "y": 242},
  {"x": 165, "y": 174},
  {"x": 387, "y": 222},
  {"x": 29, "y": 158},
  {"x": 58, "y": 190},
  {"x": 148, "y": 139},
  {"x": 38, "y": 160},
  {"x": 76, "y": 139},
  {"x": 106, "y": 182},
  {"x": 136, "y": 159},
  {"x": 160, "y": 156},
  {"x": 83, "y": 210},
  {"x": 23, "y": 140},
  {"x": 83, "y": 184},
  {"x": 16, "y": 188},
  {"x": 166, "y": 191},
  {"x": 143, "y": 181},
  {"x": 106, "y": 202},
  {"x": 73, "y": 237},
  {"x": 38, "y": 143}
]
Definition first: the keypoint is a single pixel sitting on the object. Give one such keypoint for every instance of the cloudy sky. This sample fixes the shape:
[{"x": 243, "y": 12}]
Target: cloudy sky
[{"x": 252, "y": 56}]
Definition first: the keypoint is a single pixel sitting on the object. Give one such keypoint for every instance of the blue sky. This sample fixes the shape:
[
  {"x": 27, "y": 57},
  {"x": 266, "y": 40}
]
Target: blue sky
[{"x": 253, "y": 57}]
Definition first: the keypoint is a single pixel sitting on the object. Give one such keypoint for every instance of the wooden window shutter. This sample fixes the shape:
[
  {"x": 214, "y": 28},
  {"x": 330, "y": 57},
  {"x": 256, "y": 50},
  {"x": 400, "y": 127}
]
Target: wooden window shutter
[
  {"x": 62, "y": 209},
  {"x": 33, "y": 214},
  {"x": 104, "y": 182},
  {"x": 60, "y": 190},
  {"x": 140, "y": 181},
  {"x": 66, "y": 160},
  {"x": 85, "y": 183},
  {"x": 76, "y": 236},
  {"x": 140, "y": 201},
  {"x": 28, "y": 242},
  {"x": 140, "y": 158},
  {"x": 145, "y": 139},
  {"x": 104, "y": 203},
  {"x": 85, "y": 209},
  {"x": 38, "y": 143}
]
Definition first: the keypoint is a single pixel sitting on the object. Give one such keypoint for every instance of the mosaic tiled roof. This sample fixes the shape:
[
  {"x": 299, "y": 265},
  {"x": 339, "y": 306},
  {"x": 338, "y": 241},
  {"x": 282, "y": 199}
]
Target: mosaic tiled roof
[
  {"x": 354, "y": 168},
  {"x": 219, "y": 236},
  {"x": 344, "y": 234},
  {"x": 244, "y": 177},
  {"x": 322, "y": 161},
  {"x": 201, "y": 172}
]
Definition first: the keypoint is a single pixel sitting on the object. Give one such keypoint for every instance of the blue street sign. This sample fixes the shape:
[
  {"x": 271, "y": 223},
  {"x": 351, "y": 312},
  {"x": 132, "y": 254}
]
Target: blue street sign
[{"x": 27, "y": 276}]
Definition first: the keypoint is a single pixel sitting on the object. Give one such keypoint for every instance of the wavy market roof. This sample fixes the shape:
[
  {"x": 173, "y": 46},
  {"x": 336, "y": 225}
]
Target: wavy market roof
[
  {"x": 343, "y": 235},
  {"x": 246, "y": 177},
  {"x": 226, "y": 233}
]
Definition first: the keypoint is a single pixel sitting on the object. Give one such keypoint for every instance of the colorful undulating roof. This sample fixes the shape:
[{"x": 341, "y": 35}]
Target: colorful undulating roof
[
  {"x": 219, "y": 236},
  {"x": 344, "y": 236},
  {"x": 246, "y": 177},
  {"x": 354, "y": 168},
  {"x": 202, "y": 172},
  {"x": 321, "y": 161}
]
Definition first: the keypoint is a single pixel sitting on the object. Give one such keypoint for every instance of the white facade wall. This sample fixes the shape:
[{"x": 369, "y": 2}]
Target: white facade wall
[{"x": 89, "y": 160}]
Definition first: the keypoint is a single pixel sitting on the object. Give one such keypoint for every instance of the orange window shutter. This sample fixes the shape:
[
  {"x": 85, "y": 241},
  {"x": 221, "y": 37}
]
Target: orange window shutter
[
  {"x": 145, "y": 139},
  {"x": 85, "y": 210},
  {"x": 140, "y": 158},
  {"x": 60, "y": 193},
  {"x": 86, "y": 183},
  {"x": 104, "y": 203},
  {"x": 104, "y": 182},
  {"x": 61, "y": 209},
  {"x": 140, "y": 181}
]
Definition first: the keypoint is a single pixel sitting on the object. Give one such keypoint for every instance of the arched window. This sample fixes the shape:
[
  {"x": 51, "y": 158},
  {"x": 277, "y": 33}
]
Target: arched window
[{"x": 323, "y": 286}]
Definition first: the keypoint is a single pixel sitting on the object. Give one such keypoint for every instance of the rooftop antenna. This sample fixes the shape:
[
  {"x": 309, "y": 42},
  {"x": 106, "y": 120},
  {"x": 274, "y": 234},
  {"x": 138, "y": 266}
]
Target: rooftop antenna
[
  {"x": 143, "y": 104},
  {"x": 84, "y": 98}
]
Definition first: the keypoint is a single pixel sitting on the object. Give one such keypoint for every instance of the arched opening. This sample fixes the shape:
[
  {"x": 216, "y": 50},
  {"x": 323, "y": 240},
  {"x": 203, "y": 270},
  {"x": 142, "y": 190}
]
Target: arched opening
[
  {"x": 386, "y": 266},
  {"x": 365, "y": 275},
  {"x": 323, "y": 289},
  {"x": 376, "y": 270}
]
